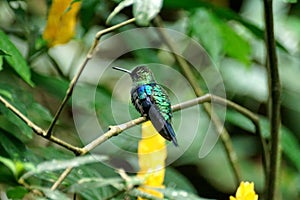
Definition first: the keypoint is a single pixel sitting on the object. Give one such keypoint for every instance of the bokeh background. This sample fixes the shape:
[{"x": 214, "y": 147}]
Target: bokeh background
[{"x": 231, "y": 33}]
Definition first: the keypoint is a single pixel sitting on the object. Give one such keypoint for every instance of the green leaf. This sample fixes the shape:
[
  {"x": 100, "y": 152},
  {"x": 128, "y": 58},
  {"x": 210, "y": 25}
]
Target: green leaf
[
  {"x": 88, "y": 183},
  {"x": 239, "y": 120},
  {"x": 12, "y": 146},
  {"x": 13, "y": 124},
  {"x": 87, "y": 177},
  {"x": 6, "y": 93},
  {"x": 139, "y": 193},
  {"x": 15, "y": 60},
  {"x": 234, "y": 45},
  {"x": 222, "y": 13},
  {"x": 3, "y": 53},
  {"x": 290, "y": 146},
  {"x": 39, "y": 114},
  {"x": 16, "y": 192},
  {"x": 217, "y": 37},
  {"x": 208, "y": 34},
  {"x": 52, "y": 85},
  {"x": 52, "y": 194},
  {"x": 9, "y": 164},
  {"x": 16, "y": 167}
]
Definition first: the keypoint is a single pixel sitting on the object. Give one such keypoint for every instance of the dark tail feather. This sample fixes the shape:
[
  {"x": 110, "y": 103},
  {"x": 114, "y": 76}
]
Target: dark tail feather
[
  {"x": 171, "y": 132},
  {"x": 161, "y": 125}
]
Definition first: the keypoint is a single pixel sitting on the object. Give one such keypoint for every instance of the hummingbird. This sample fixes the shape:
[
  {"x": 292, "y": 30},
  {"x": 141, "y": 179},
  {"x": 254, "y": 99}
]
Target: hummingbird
[{"x": 151, "y": 101}]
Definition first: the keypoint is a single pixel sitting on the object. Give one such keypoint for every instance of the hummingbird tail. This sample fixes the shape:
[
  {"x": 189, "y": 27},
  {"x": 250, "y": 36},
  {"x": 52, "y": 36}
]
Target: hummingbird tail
[
  {"x": 171, "y": 132},
  {"x": 161, "y": 125}
]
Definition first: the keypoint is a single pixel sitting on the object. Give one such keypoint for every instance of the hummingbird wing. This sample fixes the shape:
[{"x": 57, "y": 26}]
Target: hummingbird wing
[
  {"x": 161, "y": 125},
  {"x": 152, "y": 101},
  {"x": 160, "y": 113}
]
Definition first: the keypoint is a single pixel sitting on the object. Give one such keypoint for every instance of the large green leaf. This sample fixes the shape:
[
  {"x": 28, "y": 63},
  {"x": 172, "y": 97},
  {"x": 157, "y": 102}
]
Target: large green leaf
[
  {"x": 13, "y": 147},
  {"x": 222, "y": 13},
  {"x": 52, "y": 194},
  {"x": 53, "y": 85},
  {"x": 290, "y": 144},
  {"x": 12, "y": 123},
  {"x": 55, "y": 165},
  {"x": 15, "y": 60},
  {"x": 17, "y": 192},
  {"x": 208, "y": 33},
  {"x": 217, "y": 37},
  {"x": 16, "y": 167},
  {"x": 239, "y": 120},
  {"x": 91, "y": 173},
  {"x": 234, "y": 45}
]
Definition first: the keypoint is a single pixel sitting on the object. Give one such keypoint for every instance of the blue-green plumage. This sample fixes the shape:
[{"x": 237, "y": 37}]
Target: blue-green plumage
[{"x": 152, "y": 101}]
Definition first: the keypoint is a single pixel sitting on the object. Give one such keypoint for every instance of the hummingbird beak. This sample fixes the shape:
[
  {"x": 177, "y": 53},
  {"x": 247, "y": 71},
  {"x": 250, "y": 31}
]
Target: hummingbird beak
[{"x": 121, "y": 69}]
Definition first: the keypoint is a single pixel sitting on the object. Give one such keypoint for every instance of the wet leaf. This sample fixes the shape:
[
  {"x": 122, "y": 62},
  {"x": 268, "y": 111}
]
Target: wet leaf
[
  {"x": 53, "y": 194},
  {"x": 55, "y": 165}
]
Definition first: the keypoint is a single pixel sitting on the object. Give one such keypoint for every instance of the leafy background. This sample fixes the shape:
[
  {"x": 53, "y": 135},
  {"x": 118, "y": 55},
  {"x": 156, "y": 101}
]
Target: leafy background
[{"x": 34, "y": 78}]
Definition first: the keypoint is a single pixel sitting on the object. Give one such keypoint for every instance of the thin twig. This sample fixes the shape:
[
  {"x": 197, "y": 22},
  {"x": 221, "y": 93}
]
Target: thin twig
[
  {"x": 275, "y": 92},
  {"x": 38, "y": 130},
  {"x": 61, "y": 178},
  {"x": 225, "y": 137},
  {"x": 81, "y": 68}
]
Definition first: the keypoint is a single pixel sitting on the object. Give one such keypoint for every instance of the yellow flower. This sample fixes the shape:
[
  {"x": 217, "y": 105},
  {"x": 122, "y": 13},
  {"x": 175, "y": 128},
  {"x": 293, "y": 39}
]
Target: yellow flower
[
  {"x": 245, "y": 192},
  {"x": 61, "y": 22},
  {"x": 152, "y": 154}
]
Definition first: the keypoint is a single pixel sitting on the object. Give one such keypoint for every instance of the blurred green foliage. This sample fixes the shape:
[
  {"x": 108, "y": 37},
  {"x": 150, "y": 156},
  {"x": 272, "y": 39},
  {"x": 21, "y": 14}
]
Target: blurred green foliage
[{"x": 34, "y": 79}]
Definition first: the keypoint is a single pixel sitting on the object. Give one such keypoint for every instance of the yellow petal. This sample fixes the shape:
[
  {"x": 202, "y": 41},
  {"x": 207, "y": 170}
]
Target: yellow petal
[
  {"x": 232, "y": 198},
  {"x": 61, "y": 22},
  {"x": 152, "y": 154},
  {"x": 245, "y": 192}
]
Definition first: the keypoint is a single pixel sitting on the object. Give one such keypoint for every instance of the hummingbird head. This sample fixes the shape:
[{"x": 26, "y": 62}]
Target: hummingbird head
[{"x": 140, "y": 75}]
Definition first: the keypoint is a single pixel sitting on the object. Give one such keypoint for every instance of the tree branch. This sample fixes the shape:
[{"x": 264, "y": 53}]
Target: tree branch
[
  {"x": 38, "y": 130},
  {"x": 274, "y": 101}
]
